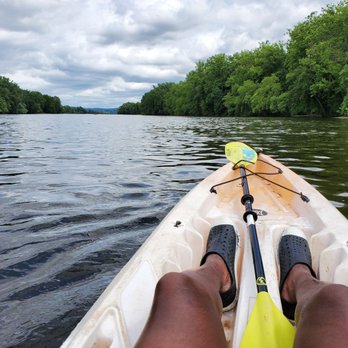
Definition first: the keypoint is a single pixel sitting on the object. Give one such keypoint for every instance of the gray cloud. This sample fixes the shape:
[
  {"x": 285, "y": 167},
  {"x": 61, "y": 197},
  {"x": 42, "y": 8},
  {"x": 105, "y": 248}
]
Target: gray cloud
[{"x": 106, "y": 52}]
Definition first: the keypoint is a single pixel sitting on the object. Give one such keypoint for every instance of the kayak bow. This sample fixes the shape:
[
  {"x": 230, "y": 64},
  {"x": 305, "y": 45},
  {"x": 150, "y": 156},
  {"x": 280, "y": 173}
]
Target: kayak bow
[{"x": 178, "y": 243}]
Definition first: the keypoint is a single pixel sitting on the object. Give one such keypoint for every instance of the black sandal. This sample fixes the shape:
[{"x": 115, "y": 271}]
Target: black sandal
[
  {"x": 293, "y": 249},
  {"x": 223, "y": 241}
]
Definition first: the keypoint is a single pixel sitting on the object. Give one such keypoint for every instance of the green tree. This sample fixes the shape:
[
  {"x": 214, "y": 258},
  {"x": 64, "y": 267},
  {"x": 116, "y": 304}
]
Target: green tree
[
  {"x": 261, "y": 71},
  {"x": 129, "y": 108},
  {"x": 12, "y": 95},
  {"x": 66, "y": 109},
  {"x": 317, "y": 55},
  {"x": 194, "y": 90},
  {"x": 3, "y": 106},
  {"x": 51, "y": 105},
  {"x": 14, "y": 100},
  {"x": 153, "y": 102},
  {"x": 177, "y": 101},
  {"x": 268, "y": 97},
  {"x": 239, "y": 102},
  {"x": 207, "y": 86},
  {"x": 35, "y": 102},
  {"x": 344, "y": 87},
  {"x": 21, "y": 108}
]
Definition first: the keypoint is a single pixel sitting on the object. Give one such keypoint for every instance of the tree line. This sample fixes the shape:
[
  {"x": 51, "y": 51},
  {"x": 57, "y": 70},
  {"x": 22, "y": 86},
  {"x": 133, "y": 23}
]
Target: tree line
[
  {"x": 306, "y": 76},
  {"x": 14, "y": 100}
]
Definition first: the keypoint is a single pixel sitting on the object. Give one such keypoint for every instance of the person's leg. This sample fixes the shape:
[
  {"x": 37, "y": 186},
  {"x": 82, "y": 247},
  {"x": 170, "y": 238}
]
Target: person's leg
[
  {"x": 187, "y": 308},
  {"x": 321, "y": 313}
]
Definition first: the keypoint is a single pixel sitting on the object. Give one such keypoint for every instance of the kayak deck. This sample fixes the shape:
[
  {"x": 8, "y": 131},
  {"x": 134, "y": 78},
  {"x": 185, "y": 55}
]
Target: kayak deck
[{"x": 178, "y": 243}]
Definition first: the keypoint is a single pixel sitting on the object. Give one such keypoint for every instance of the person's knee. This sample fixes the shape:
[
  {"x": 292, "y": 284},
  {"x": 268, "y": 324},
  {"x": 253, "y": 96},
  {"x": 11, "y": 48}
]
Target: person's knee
[
  {"x": 333, "y": 294},
  {"x": 332, "y": 298},
  {"x": 174, "y": 283},
  {"x": 178, "y": 290},
  {"x": 170, "y": 281}
]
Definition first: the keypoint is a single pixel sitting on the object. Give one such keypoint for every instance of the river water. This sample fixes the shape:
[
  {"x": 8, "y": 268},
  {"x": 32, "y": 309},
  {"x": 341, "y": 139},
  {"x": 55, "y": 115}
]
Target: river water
[{"x": 80, "y": 193}]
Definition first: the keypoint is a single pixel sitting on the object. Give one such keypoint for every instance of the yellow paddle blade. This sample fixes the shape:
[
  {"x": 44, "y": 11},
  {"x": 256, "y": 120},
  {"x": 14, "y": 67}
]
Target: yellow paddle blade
[
  {"x": 267, "y": 326},
  {"x": 238, "y": 153}
]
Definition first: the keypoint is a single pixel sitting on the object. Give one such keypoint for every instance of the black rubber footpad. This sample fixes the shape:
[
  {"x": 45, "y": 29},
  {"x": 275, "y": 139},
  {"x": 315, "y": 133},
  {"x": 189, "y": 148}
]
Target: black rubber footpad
[
  {"x": 223, "y": 240},
  {"x": 292, "y": 250}
]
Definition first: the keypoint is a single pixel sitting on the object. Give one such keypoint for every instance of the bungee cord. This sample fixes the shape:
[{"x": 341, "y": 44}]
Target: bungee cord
[{"x": 260, "y": 175}]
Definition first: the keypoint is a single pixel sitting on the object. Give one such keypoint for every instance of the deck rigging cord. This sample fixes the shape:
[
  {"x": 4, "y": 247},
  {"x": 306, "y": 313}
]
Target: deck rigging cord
[{"x": 259, "y": 174}]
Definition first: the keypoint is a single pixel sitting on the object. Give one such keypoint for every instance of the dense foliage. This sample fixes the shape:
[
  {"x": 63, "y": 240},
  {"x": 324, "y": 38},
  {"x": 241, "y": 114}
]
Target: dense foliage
[
  {"x": 307, "y": 76},
  {"x": 66, "y": 109},
  {"x": 14, "y": 100},
  {"x": 129, "y": 109},
  {"x": 317, "y": 62}
]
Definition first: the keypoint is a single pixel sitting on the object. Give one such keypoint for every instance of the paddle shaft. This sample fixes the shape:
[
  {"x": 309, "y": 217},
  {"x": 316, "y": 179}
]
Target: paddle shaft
[
  {"x": 250, "y": 217},
  {"x": 267, "y": 326}
]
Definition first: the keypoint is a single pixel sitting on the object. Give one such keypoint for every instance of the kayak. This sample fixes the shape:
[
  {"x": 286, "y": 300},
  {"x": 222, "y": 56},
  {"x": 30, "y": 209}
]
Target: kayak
[{"x": 282, "y": 199}]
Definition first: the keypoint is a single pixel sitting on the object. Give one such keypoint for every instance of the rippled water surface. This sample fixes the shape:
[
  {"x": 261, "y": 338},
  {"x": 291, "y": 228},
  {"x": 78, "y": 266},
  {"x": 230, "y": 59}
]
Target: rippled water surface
[{"x": 80, "y": 194}]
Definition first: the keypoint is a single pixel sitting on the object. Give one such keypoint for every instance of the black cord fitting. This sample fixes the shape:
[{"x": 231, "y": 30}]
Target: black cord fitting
[
  {"x": 246, "y": 198},
  {"x": 304, "y": 197},
  {"x": 245, "y": 215}
]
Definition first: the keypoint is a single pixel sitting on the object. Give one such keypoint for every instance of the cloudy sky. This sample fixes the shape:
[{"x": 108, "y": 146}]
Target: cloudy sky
[{"x": 103, "y": 53}]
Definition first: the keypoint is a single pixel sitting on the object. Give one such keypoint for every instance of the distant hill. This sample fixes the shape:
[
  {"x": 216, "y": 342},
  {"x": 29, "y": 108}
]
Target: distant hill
[{"x": 101, "y": 110}]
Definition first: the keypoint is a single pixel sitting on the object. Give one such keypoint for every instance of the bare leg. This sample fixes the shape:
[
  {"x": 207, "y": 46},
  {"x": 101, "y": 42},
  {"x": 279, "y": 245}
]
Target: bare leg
[
  {"x": 187, "y": 308},
  {"x": 322, "y": 310}
]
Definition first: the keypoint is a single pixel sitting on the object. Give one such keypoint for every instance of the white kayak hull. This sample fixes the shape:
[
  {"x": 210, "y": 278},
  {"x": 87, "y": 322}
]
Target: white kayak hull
[{"x": 178, "y": 243}]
